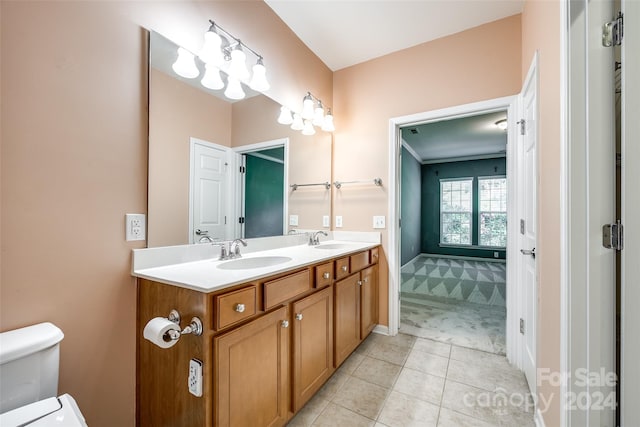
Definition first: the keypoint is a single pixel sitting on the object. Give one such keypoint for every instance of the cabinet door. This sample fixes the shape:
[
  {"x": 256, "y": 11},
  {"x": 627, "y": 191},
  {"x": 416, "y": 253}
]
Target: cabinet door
[
  {"x": 347, "y": 317},
  {"x": 251, "y": 373},
  {"x": 368, "y": 300},
  {"x": 312, "y": 345}
]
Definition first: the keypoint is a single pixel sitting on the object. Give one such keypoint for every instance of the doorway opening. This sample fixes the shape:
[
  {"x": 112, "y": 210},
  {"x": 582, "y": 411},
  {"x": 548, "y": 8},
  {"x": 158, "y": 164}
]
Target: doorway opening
[{"x": 454, "y": 203}]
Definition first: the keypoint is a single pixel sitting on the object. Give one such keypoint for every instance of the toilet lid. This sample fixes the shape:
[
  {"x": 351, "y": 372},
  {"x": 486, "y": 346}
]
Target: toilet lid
[{"x": 52, "y": 412}]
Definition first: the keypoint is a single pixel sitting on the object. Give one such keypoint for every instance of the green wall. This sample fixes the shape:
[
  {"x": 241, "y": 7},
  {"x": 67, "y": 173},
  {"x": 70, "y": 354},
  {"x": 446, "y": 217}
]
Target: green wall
[
  {"x": 431, "y": 175},
  {"x": 410, "y": 210},
  {"x": 264, "y": 197}
]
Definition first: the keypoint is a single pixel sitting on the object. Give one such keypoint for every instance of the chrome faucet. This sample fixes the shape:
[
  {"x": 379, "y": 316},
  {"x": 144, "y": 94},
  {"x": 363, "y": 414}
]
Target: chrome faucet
[
  {"x": 204, "y": 239},
  {"x": 235, "y": 253},
  {"x": 313, "y": 238}
]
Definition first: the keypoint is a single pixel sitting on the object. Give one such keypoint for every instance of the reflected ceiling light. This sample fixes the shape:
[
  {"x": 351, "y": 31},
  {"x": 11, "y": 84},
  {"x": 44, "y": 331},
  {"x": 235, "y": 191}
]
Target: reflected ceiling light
[
  {"x": 259, "y": 80},
  {"x": 185, "y": 65},
  {"x": 501, "y": 124},
  {"x": 238, "y": 66},
  {"x": 307, "y": 107},
  {"x": 308, "y": 128},
  {"x": 211, "y": 78},
  {"x": 318, "y": 114},
  {"x": 234, "y": 89},
  {"x": 297, "y": 122},
  {"x": 327, "y": 125},
  {"x": 285, "y": 117}
]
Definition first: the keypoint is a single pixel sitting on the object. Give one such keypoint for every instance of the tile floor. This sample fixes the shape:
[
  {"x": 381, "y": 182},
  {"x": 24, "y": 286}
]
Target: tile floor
[{"x": 410, "y": 381}]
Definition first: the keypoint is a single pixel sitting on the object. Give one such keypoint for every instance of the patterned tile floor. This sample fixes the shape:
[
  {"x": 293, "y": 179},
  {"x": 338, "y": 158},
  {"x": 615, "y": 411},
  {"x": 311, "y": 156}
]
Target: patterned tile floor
[
  {"x": 410, "y": 381},
  {"x": 455, "y": 301}
]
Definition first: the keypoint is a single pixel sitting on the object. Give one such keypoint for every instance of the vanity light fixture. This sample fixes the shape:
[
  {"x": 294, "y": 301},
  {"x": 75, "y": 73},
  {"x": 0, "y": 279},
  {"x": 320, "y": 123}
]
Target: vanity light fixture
[
  {"x": 313, "y": 114},
  {"x": 222, "y": 51}
]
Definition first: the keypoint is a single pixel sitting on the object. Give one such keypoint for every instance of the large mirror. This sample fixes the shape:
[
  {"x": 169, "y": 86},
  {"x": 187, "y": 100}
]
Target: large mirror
[{"x": 222, "y": 169}]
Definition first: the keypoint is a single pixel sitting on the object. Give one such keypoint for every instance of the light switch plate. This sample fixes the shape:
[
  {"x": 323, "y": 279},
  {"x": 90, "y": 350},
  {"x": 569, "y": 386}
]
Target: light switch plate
[
  {"x": 379, "y": 221},
  {"x": 338, "y": 221},
  {"x": 325, "y": 221},
  {"x": 135, "y": 227},
  {"x": 293, "y": 219}
]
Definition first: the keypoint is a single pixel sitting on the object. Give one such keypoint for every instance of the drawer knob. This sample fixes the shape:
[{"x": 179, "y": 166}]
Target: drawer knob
[
  {"x": 366, "y": 280},
  {"x": 375, "y": 255},
  {"x": 285, "y": 324},
  {"x": 240, "y": 308},
  {"x": 326, "y": 275},
  {"x": 359, "y": 282},
  {"x": 344, "y": 268},
  {"x": 299, "y": 316}
]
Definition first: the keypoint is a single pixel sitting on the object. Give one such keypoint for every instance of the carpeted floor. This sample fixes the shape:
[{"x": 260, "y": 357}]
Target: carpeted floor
[{"x": 455, "y": 301}]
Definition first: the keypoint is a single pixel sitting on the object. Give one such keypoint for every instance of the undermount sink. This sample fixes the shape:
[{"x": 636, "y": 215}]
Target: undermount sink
[
  {"x": 257, "y": 262},
  {"x": 332, "y": 246}
]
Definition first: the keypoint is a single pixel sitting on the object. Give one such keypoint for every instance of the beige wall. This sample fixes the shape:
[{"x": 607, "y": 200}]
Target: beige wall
[
  {"x": 478, "y": 64},
  {"x": 177, "y": 112},
  {"x": 541, "y": 33},
  {"x": 74, "y": 161}
]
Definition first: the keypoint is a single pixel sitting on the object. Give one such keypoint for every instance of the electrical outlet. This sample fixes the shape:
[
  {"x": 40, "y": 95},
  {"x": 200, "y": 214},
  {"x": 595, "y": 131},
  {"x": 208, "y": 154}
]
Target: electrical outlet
[
  {"x": 378, "y": 221},
  {"x": 135, "y": 227},
  {"x": 325, "y": 221},
  {"x": 293, "y": 219},
  {"x": 338, "y": 221},
  {"x": 496, "y": 255},
  {"x": 195, "y": 377}
]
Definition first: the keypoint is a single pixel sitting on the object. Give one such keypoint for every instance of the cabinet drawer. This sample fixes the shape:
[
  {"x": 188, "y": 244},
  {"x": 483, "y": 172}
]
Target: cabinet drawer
[
  {"x": 374, "y": 255},
  {"x": 280, "y": 290},
  {"x": 342, "y": 268},
  {"x": 234, "y": 306},
  {"x": 359, "y": 261},
  {"x": 324, "y": 275}
]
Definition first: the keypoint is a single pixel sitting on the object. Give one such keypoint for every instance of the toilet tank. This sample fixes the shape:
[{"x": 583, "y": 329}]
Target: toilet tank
[{"x": 29, "y": 361}]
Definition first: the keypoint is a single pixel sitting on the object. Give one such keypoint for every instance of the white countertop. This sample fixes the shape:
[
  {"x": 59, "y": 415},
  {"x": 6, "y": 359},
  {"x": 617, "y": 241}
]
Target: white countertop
[{"x": 204, "y": 275}]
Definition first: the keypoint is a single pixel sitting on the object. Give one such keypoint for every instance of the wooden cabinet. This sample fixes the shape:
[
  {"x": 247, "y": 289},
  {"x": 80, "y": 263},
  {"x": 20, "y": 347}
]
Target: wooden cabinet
[
  {"x": 251, "y": 366},
  {"x": 368, "y": 300},
  {"x": 312, "y": 345},
  {"x": 268, "y": 345},
  {"x": 347, "y": 317}
]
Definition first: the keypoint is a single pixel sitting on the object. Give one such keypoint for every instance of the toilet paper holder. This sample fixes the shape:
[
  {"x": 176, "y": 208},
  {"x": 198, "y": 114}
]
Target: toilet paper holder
[{"x": 194, "y": 328}]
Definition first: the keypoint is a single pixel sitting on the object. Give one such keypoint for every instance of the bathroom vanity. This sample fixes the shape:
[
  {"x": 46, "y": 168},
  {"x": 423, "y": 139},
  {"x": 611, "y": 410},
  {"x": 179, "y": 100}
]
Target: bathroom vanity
[{"x": 272, "y": 336}]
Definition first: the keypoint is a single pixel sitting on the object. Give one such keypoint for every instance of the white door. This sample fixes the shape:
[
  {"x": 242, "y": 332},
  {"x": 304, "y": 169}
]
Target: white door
[
  {"x": 209, "y": 191},
  {"x": 528, "y": 282},
  {"x": 630, "y": 375}
]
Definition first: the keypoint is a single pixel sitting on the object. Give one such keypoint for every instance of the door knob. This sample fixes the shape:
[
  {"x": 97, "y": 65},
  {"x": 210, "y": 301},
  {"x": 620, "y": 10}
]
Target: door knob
[
  {"x": 201, "y": 232},
  {"x": 531, "y": 252}
]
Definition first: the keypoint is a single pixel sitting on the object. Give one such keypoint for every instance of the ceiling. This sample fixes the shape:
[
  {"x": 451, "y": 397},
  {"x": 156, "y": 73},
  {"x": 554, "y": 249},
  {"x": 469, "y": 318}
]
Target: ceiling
[
  {"x": 452, "y": 139},
  {"x": 344, "y": 33}
]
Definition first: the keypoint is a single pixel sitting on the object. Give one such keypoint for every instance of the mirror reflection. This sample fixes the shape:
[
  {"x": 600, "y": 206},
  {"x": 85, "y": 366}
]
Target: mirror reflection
[{"x": 222, "y": 169}]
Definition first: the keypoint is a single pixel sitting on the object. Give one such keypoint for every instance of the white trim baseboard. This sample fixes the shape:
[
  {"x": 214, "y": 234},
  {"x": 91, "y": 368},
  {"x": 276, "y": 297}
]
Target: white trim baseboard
[
  {"x": 381, "y": 329},
  {"x": 466, "y": 258}
]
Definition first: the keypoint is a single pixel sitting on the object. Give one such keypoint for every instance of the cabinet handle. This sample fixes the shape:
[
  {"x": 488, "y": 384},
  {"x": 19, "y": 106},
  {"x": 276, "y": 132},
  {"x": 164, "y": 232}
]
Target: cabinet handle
[
  {"x": 359, "y": 282},
  {"x": 366, "y": 280},
  {"x": 299, "y": 316},
  {"x": 344, "y": 268},
  {"x": 326, "y": 275},
  {"x": 285, "y": 323},
  {"x": 239, "y": 308}
]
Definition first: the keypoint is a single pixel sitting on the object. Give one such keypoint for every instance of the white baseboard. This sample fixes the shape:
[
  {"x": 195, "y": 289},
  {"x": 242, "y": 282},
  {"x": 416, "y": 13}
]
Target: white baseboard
[
  {"x": 410, "y": 261},
  {"x": 468, "y": 258},
  {"x": 381, "y": 329},
  {"x": 538, "y": 419}
]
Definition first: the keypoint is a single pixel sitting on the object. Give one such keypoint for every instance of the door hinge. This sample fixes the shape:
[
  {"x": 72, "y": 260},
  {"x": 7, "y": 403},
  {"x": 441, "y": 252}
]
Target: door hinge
[
  {"x": 243, "y": 169},
  {"x": 522, "y": 124},
  {"x": 613, "y": 236},
  {"x": 522, "y": 227},
  {"x": 241, "y": 220},
  {"x": 522, "y": 326},
  {"x": 613, "y": 31}
]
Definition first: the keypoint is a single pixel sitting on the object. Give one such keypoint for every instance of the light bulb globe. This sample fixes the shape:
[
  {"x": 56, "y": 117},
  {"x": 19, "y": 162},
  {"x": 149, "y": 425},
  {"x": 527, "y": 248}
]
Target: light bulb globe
[{"x": 185, "y": 65}]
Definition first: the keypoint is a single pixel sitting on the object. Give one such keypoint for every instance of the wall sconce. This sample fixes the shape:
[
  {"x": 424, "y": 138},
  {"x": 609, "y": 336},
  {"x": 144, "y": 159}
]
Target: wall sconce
[
  {"x": 223, "y": 51},
  {"x": 312, "y": 115}
]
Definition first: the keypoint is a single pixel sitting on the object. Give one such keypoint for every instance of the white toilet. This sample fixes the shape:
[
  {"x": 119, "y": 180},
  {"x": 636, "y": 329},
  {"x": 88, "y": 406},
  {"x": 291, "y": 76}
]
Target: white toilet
[{"x": 29, "y": 362}]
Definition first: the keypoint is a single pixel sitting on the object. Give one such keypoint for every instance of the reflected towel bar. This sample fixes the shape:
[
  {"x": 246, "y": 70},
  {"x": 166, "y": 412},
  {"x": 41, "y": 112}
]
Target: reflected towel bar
[
  {"x": 294, "y": 187},
  {"x": 376, "y": 181}
]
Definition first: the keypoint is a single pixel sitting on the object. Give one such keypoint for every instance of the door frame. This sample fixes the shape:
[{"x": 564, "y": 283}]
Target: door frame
[
  {"x": 508, "y": 103},
  {"x": 229, "y": 196},
  {"x": 238, "y": 178}
]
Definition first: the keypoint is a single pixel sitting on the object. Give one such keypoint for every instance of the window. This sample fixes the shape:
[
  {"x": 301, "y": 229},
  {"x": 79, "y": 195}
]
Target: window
[
  {"x": 455, "y": 211},
  {"x": 493, "y": 211}
]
